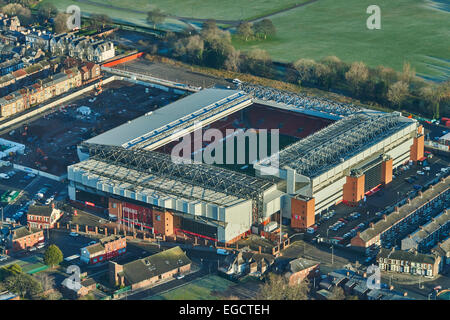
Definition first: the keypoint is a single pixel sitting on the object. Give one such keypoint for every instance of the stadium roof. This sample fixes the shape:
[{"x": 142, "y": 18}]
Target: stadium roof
[
  {"x": 339, "y": 141},
  {"x": 173, "y": 112}
]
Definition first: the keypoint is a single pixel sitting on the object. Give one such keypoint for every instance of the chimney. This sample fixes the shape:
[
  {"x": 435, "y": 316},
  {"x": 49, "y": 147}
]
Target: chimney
[
  {"x": 391, "y": 288},
  {"x": 384, "y": 217},
  {"x": 416, "y": 253},
  {"x": 405, "y": 294},
  {"x": 364, "y": 275},
  {"x": 420, "y": 194},
  {"x": 396, "y": 209}
]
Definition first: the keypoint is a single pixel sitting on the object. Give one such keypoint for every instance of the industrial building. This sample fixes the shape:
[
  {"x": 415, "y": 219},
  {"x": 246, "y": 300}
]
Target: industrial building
[{"x": 329, "y": 153}]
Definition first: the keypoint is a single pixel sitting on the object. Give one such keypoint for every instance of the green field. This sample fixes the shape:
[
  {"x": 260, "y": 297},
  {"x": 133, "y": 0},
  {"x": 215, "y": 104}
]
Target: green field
[
  {"x": 201, "y": 289},
  {"x": 411, "y": 30}
]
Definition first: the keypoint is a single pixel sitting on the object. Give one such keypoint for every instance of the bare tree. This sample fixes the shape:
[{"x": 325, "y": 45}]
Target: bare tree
[
  {"x": 245, "y": 30},
  {"x": 305, "y": 69},
  {"x": 409, "y": 73},
  {"x": 47, "y": 282},
  {"x": 60, "y": 22},
  {"x": 156, "y": 17},
  {"x": 357, "y": 75},
  {"x": 277, "y": 288},
  {"x": 398, "y": 92},
  {"x": 433, "y": 94}
]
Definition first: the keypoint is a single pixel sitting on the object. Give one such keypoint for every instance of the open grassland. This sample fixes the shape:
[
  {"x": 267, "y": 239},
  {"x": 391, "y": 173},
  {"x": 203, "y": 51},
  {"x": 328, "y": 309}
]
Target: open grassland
[
  {"x": 415, "y": 31},
  {"x": 201, "y": 9},
  {"x": 411, "y": 30}
]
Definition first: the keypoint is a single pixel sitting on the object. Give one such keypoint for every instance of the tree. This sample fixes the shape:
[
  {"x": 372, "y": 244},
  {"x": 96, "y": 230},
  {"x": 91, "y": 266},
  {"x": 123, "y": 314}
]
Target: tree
[
  {"x": 46, "y": 11},
  {"x": 397, "y": 92},
  {"x": 99, "y": 21},
  {"x": 258, "y": 62},
  {"x": 264, "y": 28},
  {"x": 16, "y": 9},
  {"x": 11, "y": 270},
  {"x": 60, "y": 22},
  {"x": 245, "y": 30},
  {"x": 233, "y": 61},
  {"x": 156, "y": 17},
  {"x": 337, "y": 294},
  {"x": 357, "y": 75},
  {"x": 305, "y": 69},
  {"x": 277, "y": 288},
  {"x": 53, "y": 256},
  {"x": 409, "y": 73},
  {"x": 47, "y": 282},
  {"x": 433, "y": 94},
  {"x": 24, "y": 285}
]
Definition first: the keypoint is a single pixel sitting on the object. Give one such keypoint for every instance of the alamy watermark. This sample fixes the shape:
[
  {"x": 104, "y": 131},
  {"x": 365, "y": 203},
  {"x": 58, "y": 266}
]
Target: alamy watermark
[
  {"x": 74, "y": 20},
  {"x": 374, "y": 280},
  {"x": 74, "y": 281},
  {"x": 212, "y": 146},
  {"x": 374, "y": 20}
]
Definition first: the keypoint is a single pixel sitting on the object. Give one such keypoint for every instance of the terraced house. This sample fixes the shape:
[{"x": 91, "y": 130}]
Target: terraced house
[
  {"x": 410, "y": 262},
  {"x": 47, "y": 88}
]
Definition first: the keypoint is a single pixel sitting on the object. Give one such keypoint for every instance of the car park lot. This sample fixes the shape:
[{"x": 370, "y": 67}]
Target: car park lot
[
  {"x": 28, "y": 193},
  {"x": 342, "y": 222}
]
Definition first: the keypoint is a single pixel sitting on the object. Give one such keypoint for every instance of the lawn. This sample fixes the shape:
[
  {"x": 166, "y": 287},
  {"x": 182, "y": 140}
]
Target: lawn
[
  {"x": 410, "y": 31},
  {"x": 201, "y": 289}
]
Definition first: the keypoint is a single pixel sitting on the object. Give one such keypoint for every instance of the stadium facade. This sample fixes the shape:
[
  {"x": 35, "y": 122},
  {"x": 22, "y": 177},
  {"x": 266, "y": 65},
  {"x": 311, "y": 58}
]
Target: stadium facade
[{"x": 339, "y": 153}]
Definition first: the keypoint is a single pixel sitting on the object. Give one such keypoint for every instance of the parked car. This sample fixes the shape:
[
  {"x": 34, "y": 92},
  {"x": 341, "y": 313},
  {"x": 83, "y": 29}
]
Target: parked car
[
  {"x": 3, "y": 258},
  {"x": 74, "y": 234},
  {"x": 180, "y": 276}
]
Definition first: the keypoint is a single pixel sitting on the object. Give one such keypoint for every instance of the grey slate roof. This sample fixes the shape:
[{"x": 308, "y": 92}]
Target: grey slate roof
[{"x": 160, "y": 263}]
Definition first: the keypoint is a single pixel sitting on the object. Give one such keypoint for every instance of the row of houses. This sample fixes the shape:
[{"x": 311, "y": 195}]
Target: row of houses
[
  {"x": 428, "y": 235},
  {"x": 47, "y": 88},
  {"x": 355, "y": 284},
  {"x": 20, "y": 77},
  {"x": 81, "y": 47},
  {"x": 84, "y": 48},
  {"x": 413, "y": 213}
]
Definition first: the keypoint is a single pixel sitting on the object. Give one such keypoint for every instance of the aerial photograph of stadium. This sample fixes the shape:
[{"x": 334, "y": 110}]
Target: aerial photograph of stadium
[{"x": 245, "y": 151}]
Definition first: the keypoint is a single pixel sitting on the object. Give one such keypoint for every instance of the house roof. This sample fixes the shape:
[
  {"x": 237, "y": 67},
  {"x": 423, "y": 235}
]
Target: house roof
[
  {"x": 95, "y": 248},
  {"x": 110, "y": 238},
  {"x": 23, "y": 231},
  {"x": 406, "y": 256},
  {"x": 300, "y": 264},
  {"x": 40, "y": 210},
  {"x": 404, "y": 211},
  {"x": 160, "y": 263}
]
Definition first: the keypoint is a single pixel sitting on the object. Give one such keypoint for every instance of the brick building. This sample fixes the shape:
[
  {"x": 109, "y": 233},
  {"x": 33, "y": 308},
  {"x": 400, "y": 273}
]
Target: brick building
[
  {"x": 147, "y": 271},
  {"x": 23, "y": 238},
  {"x": 43, "y": 217},
  {"x": 106, "y": 249}
]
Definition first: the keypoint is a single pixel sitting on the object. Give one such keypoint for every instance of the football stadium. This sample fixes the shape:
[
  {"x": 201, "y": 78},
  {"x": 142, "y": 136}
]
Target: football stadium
[{"x": 320, "y": 153}]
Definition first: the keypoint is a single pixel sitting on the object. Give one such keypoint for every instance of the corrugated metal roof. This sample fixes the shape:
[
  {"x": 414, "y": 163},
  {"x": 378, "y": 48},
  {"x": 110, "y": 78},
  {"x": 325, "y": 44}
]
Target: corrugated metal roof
[{"x": 160, "y": 117}]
